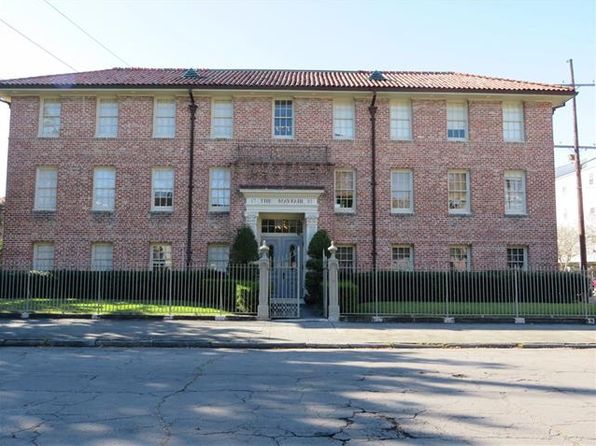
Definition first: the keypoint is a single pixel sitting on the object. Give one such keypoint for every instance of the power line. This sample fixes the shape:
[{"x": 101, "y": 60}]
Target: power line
[
  {"x": 37, "y": 45},
  {"x": 560, "y": 146},
  {"x": 86, "y": 33}
]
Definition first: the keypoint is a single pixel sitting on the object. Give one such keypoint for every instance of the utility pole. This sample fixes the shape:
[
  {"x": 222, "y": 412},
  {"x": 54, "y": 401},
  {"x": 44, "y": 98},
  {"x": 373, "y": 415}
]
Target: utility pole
[{"x": 583, "y": 264}]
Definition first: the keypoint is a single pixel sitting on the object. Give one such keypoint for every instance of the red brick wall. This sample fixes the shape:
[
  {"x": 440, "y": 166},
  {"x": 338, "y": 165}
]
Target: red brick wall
[{"x": 132, "y": 227}]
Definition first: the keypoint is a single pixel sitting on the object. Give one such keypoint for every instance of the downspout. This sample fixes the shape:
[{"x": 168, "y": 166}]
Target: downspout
[
  {"x": 6, "y": 102},
  {"x": 372, "y": 110},
  {"x": 191, "y": 164}
]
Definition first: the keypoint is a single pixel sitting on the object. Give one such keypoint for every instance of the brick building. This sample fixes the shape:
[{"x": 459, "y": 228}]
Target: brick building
[{"x": 411, "y": 169}]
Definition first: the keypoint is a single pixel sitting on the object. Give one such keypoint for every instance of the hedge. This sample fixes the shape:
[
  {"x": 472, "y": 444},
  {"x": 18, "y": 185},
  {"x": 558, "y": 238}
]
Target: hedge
[
  {"x": 202, "y": 288},
  {"x": 485, "y": 286}
]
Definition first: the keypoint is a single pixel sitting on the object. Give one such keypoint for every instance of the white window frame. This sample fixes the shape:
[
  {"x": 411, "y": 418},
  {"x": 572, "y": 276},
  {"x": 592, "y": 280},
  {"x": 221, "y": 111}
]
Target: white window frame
[
  {"x": 396, "y": 115},
  {"x": 518, "y": 174},
  {"x": 337, "y": 208},
  {"x": 339, "y": 106},
  {"x": 290, "y": 136},
  {"x": 98, "y": 113},
  {"x": 410, "y": 259},
  {"x": 524, "y": 266},
  {"x": 224, "y": 207},
  {"x": 467, "y": 249},
  {"x": 342, "y": 261},
  {"x": 468, "y": 209},
  {"x": 154, "y": 207},
  {"x": 156, "y": 101},
  {"x": 214, "y": 117},
  {"x": 451, "y": 120},
  {"x": 509, "y": 110},
  {"x": 37, "y": 205},
  {"x": 37, "y": 263},
  {"x": 167, "y": 260},
  {"x": 110, "y": 188},
  {"x": 99, "y": 262},
  {"x": 42, "y": 131},
  {"x": 410, "y": 209},
  {"x": 215, "y": 259}
]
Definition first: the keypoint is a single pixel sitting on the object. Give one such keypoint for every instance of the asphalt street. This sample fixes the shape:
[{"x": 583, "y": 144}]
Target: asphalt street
[{"x": 99, "y": 396}]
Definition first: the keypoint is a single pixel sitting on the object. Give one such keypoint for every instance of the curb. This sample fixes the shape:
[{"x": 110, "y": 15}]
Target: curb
[{"x": 165, "y": 343}]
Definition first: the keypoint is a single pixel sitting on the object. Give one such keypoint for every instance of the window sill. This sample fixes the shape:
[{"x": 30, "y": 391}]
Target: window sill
[
  {"x": 219, "y": 211},
  {"x": 163, "y": 137},
  {"x": 514, "y": 142},
  {"x": 106, "y": 137},
  {"x": 44, "y": 211},
  {"x": 282, "y": 137},
  {"x": 345, "y": 211},
  {"x": 221, "y": 138},
  {"x": 402, "y": 213},
  {"x": 516, "y": 215},
  {"x": 48, "y": 137},
  {"x": 460, "y": 214},
  {"x": 458, "y": 140},
  {"x": 102, "y": 211},
  {"x": 335, "y": 138},
  {"x": 401, "y": 140},
  {"x": 162, "y": 211}
]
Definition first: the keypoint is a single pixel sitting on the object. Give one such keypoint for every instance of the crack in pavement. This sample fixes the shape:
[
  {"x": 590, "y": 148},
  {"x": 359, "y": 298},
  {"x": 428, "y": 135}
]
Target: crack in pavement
[{"x": 166, "y": 426}]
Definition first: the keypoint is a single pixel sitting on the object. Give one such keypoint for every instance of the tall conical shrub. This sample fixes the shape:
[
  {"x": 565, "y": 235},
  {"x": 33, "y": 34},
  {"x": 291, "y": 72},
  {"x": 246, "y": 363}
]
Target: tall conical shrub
[
  {"x": 314, "y": 274},
  {"x": 245, "y": 248}
]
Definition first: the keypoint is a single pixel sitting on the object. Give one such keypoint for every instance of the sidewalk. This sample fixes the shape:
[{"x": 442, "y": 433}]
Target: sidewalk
[{"x": 288, "y": 334}]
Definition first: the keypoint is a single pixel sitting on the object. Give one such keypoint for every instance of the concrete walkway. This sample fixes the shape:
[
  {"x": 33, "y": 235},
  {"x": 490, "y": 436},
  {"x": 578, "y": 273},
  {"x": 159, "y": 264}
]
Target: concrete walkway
[{"x": 287, "y": 334}]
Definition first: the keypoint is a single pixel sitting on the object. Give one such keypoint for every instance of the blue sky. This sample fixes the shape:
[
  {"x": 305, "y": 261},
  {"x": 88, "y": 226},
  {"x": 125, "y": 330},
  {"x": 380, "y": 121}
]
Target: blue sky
[{"x": 521, "y": 39}]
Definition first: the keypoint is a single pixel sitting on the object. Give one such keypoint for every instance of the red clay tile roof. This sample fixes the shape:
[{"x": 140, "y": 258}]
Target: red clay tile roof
[{"x": 282, "y": 79}]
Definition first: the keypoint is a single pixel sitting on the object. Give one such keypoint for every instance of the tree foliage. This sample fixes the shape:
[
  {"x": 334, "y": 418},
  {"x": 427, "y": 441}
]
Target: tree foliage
[{"x": 245, "y": 248}]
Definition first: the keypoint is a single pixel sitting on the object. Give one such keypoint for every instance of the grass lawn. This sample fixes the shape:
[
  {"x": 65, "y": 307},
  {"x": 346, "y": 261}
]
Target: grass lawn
[
  {"x": 79, "y": 306},
  {"x": 468, "y": 308}
]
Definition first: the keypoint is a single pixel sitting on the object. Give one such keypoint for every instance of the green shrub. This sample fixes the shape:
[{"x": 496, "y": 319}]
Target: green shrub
[
  {"x": 348, "y": 295},
  {"x": 245, "y": 248},
  {"x": 314, "y": 265}
]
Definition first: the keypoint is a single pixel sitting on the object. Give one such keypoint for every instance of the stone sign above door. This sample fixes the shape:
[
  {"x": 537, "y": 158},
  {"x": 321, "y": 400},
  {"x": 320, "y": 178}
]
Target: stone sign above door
[{"x": 283, "y": 201}]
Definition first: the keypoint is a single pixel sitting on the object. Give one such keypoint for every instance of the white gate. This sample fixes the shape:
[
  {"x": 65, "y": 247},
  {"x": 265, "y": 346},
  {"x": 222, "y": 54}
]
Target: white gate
[{"x": 286, "y": 281}]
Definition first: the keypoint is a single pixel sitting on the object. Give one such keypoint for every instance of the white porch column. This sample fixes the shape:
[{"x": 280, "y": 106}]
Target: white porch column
[{"x": 312, "y": 225}]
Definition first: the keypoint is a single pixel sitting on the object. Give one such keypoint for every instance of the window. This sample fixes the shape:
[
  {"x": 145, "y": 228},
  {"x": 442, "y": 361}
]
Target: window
[
  {"x": 346, "y": 257},
  {"x": 281, "y": 226},
  {"x": 102, "y": 256},
  {"x": 107, "y": 118},
  {"x": 43, "y": 256},
  {"x": 401, "y": 120},
  {"x": 161, "y": 256},
  {"x": 457, "y": 121},
  {"x": 164, "y": 121},
  {"x": 345, "y": 190},
  {"x": 343, "y": 120},
  {"x": 515, "y": 192},
  {"x": 401, "y": 191},
  {"x": 459, "y": 192},
  {"x": 222, "y": 118},
  {"x": 459, "y": 258},
  {"x": 513, "y": 121},
  {"x": 218, "y": 257},
  {"x": 283, "y": 119},
  {"x": 517, "y": 257},
  {"x": 104, "y": 189},
  {"x": 402, "y": 257},
  {"x": 219, "y": 193},
  {"x": 45, "y": 189},
  {"x": 163, "y": 190},
  {"x": 50, "y": 118}
]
